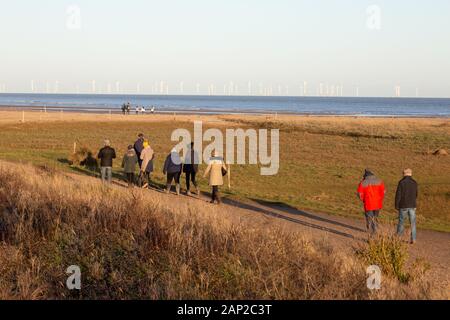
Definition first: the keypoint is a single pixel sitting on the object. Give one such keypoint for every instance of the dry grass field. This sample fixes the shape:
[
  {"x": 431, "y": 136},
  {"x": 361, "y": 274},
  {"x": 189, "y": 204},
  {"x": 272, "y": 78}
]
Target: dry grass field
[
  {"x": 144, "y": 245},
  {"x": 321, "y": 158}
]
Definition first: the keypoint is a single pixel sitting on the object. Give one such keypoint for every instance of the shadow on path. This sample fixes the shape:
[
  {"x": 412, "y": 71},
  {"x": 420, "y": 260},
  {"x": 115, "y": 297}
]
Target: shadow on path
[
  {"x": 267, "y": 210},
  {"x": 294, "y": 211},
  {"x": 265, "y": 207}
]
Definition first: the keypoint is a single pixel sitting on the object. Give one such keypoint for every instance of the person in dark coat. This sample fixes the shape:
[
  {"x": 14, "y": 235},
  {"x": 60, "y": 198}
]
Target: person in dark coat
[
  {"x": 129, "y": 162},
  {"x": 172, "y": 167},
  {"x": 139, "y": 147},
  {"x": 106, "y": 156},
  {"x": 190, "y": 168},
  {"x": 406, "y": 203}
]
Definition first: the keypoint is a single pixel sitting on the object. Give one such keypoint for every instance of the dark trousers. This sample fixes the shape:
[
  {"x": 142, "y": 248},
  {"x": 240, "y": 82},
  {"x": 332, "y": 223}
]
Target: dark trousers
[
  {"x": 143, "y": 178},
  {"x": 190, "y": 177},
  {"x": 215, "y": 194},
  {"x": 130, "y": 178},
  {"x": 372, "y": 221},
  {"x": 173, "y": 176}
]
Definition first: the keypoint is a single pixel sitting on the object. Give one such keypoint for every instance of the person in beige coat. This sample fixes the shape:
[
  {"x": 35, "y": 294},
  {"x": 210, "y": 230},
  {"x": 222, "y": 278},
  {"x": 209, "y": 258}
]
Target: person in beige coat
[
  {"x": 216, "y": 170},
  {"x": 147, "y": 156}
]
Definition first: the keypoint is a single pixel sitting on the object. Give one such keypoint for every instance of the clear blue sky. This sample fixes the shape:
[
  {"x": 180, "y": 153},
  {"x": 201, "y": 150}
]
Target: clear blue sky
[{"x": 273, "y": 43}]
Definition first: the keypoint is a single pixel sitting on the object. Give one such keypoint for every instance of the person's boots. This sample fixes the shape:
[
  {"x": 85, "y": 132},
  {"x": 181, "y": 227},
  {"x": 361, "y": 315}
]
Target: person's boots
[
  {"x": 168, "y": 187},
  {"x": 178, "y": 188},
  {"x": 197, "y": 191},
  {"x": 218, "y": 199}
]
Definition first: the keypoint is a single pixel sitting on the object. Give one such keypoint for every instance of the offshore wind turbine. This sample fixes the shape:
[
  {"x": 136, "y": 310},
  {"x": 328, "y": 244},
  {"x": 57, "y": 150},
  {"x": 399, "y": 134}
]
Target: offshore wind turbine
[
  {"x": 231, "y": 88},
  {"x": 181, "y": 87}
]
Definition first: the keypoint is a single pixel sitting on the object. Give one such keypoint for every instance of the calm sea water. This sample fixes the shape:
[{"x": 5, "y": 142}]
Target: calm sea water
[{"x": 432, "y": 107}]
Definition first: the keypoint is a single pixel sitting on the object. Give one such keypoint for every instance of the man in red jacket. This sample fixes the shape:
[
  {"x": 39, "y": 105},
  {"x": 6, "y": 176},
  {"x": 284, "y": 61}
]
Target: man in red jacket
[{"x": 371, "y": 191}]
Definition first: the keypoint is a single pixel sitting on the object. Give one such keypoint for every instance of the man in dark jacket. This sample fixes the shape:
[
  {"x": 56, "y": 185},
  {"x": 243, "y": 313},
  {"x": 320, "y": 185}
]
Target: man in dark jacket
[
  {"x": 406, "y": 203},
  {"x": 106, "y": 156},
  {"x": 138, "y": 147},
  {"x": 190, "y": 167}
]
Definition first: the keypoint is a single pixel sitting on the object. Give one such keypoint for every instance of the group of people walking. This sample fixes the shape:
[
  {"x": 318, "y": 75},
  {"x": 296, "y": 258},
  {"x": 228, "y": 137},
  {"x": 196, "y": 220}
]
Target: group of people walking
[
  {"x": 141, "y": 156},
  {"x": 372, "y": 190}
]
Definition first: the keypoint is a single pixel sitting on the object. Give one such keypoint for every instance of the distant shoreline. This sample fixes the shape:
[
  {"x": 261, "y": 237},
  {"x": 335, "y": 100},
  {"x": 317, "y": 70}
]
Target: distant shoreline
[{"x": 206, "y": 112}]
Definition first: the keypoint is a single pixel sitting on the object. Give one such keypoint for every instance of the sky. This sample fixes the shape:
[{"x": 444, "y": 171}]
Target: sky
[{"x": 226, "y": 46}]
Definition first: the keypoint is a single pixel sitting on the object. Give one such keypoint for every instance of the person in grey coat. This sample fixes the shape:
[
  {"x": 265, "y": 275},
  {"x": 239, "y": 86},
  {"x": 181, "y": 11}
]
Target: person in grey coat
[{"x": 129, "y": 163}]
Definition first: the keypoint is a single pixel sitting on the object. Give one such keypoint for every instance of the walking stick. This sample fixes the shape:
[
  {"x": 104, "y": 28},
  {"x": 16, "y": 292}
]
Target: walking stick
[{"x": 229, "y": 176}]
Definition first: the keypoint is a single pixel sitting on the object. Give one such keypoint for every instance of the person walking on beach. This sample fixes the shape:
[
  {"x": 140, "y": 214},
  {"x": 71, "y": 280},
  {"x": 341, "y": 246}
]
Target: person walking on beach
[
  {"x": 406, "y": 203},
  {"x": 147, "y": 156},
  {"x": 371, "y": 191},
  {"x": 190, "y": 168},
  {"x": 106, "y": 156},
  {"x": 129, "y": 162},
  {"x": 138, "y": 147},
  {"x": 172, "y": 168},
  {"x": 216, "y": 171}
]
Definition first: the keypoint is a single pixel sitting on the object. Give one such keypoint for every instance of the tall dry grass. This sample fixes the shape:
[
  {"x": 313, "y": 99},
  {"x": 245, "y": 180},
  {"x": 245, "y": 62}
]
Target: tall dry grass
[{"x": 130, "y": 246}]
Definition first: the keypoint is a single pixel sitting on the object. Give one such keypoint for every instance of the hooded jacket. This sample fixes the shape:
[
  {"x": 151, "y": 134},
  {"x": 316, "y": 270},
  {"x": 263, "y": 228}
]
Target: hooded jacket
[
  {"x": 129, "y": 162},
  {"x": 371, "y": 191}
]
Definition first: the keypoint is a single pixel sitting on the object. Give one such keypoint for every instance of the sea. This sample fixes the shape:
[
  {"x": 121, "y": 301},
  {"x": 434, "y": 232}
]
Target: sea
[{"x": 339, "y": 106}]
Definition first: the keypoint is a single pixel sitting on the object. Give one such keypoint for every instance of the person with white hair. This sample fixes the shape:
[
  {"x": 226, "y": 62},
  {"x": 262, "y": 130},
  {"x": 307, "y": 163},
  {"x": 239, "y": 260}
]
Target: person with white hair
[
  {"x": 406, "y": 203},
  {"x": 172, "y": 167},
  {"x": 216, "y": 171},
  {"x": 106, "y": 156}
]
